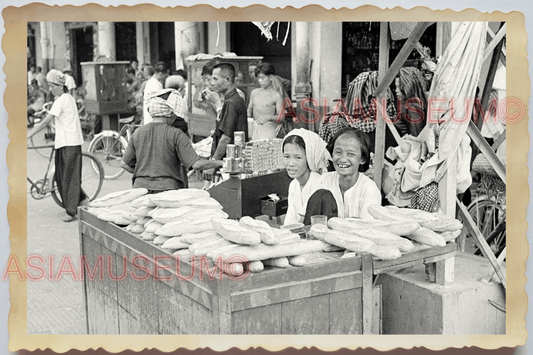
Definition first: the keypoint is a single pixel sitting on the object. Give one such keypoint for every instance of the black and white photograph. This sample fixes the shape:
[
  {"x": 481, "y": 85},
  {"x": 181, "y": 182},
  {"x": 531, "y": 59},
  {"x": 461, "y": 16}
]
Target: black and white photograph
[{"x": 249, "y": 178}]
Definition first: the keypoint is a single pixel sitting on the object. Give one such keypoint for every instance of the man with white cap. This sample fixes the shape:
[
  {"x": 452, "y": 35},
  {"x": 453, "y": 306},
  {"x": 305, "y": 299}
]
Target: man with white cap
[{"x": 156, "y": 151}]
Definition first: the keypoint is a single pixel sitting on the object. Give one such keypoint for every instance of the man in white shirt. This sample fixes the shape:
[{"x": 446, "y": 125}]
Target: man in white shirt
[{"x": 155, "y": 83}]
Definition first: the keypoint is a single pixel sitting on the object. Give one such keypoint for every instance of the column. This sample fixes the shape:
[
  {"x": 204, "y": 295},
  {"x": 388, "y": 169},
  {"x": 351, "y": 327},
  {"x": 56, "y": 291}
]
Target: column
[
  {"x": 45, "y": 46},
  {"x": 186, "y": 41},
  {"x": 302, "y": 89},
  {"x": 106, "y": 40}
]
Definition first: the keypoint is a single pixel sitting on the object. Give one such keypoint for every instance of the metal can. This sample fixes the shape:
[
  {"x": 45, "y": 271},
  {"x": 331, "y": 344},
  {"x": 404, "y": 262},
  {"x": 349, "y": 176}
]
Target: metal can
[
  {"x": 239, "y": 138},
  {"x": 230, "y": 151},
  {"x": 229, "y": 164},
  {"x": 239, "y": 164},
  {"x": 238, "y": 151}
]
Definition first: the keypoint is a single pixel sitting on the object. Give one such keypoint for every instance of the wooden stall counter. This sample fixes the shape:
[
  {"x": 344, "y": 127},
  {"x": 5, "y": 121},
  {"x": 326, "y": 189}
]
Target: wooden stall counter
[{"x": 145, "y": 290}]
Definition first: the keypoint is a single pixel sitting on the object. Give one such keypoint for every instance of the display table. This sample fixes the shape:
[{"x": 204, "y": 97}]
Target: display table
[{"x": 328, "y": 296}]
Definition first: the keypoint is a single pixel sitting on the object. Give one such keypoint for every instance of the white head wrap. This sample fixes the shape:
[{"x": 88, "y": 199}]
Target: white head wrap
[{"x": 315, "y": 149}]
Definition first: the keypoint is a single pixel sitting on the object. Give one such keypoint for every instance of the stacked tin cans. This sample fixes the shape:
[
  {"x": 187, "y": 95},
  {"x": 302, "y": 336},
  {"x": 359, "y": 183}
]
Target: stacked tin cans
[{"x": 234, "y": 162}]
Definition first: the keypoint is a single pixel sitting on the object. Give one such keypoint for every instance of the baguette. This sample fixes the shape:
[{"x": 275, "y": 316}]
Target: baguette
[
  {"x": 143, "y": 201},
  {"x": 354, "y": 243},
  {"x": 383, "y": 214},
  {"x": 231, "y": 230},
  {"x": 190, "y": 238},
  {"x": 263, "y": 251},
  {"x": 204, "y": 203},
  {"x": 205, "y": 242},
  {"x": 177, "y": 198},
  {"x": 213, "y": 253},
  {"x": 174, "y": 229},
  {"x": 234, "y": 269},
  {"x": 203, "y": 250},
  {"x": 148, "y": 236},
  {"x": 427, "y": 237},
  {"x": 118, "y": 197},
  {"x": 449, "y": 236},
  {"x": 256, "y": 266},
  {"x": 379, "y": 238},
  {"x": 142, "y": 211},
  {"x": 436, "y": 222},
  {"x": 297, "y": 260},
  {"x": 137, "y": 228},
  {"x": 174, "y": 243},
  {"x": 183, "y": 254},
  {"x": 160, "y": 240},
  {"x": 277, "y": 262},
  {"x": 265, "y": 231},
  {"x": 143, "y": 221},
  {"x": 167, "y": 215},
  {"x": 443, "y": 225},
  {"x": 399, "y": 228},
  {"x": 152, "y": 226}
]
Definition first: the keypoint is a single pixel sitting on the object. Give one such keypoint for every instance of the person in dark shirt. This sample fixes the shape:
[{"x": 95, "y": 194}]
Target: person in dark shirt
[
  {"x": 233, "y": 116},
  {"x": 156, "y": 151}
]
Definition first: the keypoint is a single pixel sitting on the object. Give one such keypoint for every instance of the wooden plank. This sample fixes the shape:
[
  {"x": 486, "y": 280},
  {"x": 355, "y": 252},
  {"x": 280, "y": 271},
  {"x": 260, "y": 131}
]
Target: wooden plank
[
  {"x": 82, "y": 272},
  {"x": 444, "y": 35},
  {"x": 500, "y": 260},
  {"x": 202, "y": 320},
  {"x": 495, "y": 41},
  {"x": 485, "y": 148},
  {"x": 129, "y": 303},
  {"x": 295, "y": 290},
  {"x": 306, "y": 316},
  {"x": 148, "y": 319},
  {"x": 93, "y": 295},
  {"x": 431, "y": 259},
  {"x": 499, "y": 141},
  {"x": 480, "y": 241},
  {"x": 414, "y": 256},
  {"x": 277, "y": 276},
  {"x": 445, "y": 272},
  {"x": 493, "y": 67},
  {"x": 346, "y": 309},
  {"x": 380, "y": 126},
  {"x": 185, "y": 320},
  {"x": 402, "y": 56},
  {"x": 376, "y": 309},
  {"x": 367, "y": 293},
  {"x": 260, "y": 320}
]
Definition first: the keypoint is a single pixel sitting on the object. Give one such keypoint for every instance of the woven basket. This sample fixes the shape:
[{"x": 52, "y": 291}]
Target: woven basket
[{"x": 482, "y": 165}]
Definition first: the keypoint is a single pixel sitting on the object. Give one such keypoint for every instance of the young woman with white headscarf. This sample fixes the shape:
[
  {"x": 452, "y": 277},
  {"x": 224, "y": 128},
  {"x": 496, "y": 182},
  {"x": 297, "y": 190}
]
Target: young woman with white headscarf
[{"x": 305, "y": 157}]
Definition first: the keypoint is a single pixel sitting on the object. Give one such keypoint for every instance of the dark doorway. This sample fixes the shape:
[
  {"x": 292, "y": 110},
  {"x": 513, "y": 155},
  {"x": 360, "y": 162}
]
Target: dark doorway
[
  {"x": 83, "y": 50},
  {"x": 246, "y": 40},
  {"x": 125, "y": 41}
]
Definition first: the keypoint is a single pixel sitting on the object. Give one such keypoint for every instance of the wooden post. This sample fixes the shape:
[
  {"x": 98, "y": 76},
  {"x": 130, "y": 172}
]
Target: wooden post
[
  {"x": 445, "y": 271},
  {"x": 302, "y": 89},
  {"x": 380, "y": 127},
  {"x": 448, "y": 187},
  {"x": 485, "y": 148},
  {"x": 444, "y": 35},
  {"x": 367, "y": 304}
]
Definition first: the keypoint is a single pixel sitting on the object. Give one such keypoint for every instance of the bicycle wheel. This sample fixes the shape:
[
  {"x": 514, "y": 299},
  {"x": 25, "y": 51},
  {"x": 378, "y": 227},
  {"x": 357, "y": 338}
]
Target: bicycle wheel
[
  {"x": 40, "y": 139},
  {"x": 490, "y": 218},
  {"x": 92, "y": 178},
  {"x": 108, "y": 147}
]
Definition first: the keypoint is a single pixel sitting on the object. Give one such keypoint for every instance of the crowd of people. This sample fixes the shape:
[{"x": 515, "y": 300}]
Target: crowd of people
[{"x": 160, "y": 151}]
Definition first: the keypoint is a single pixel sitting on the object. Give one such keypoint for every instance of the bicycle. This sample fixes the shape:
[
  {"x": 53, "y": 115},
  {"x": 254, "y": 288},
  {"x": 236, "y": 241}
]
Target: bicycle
[
  {"x": 49, "y": 134},
  {"x": 488, "y": 210},
  {"x": 91, "y": 179},
  {"x": 109, "y": 146}
]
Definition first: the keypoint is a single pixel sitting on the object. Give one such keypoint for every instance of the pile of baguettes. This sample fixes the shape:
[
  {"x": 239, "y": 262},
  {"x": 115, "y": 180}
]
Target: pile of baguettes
[{"x": 188, "y": 222}]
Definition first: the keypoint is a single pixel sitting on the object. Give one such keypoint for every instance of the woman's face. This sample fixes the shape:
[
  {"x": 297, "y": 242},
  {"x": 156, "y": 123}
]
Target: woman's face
[
  {"x": 399, "y": 93},
  {"x": 347, "y": 155},
  {"x": 57, "y": 90},
  {"x": 294, "y": 160}
]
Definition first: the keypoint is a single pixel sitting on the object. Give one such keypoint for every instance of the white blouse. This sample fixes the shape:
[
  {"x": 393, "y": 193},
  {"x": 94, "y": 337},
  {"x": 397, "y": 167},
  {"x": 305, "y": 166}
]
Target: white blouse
[
  {"x": 356, "y": 199},
  {"x": 67, "y": 121},
  {"x": 298, "y": 198}
]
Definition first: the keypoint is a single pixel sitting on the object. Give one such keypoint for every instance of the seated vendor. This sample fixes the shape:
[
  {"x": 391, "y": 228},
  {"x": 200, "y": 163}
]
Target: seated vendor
[
  {"x": 346, "y": 192},
  {"x": 305, "y": 157},
  {"x": 157, "y": 150}
]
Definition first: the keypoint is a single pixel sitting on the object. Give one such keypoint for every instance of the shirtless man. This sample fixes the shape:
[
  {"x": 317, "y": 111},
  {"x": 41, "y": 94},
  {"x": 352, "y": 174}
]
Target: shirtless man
[{"x": 265, "y": 104}]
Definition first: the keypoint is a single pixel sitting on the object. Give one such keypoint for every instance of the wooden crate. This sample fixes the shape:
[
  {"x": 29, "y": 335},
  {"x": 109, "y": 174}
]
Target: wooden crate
[{"x": 328, "y": 296}]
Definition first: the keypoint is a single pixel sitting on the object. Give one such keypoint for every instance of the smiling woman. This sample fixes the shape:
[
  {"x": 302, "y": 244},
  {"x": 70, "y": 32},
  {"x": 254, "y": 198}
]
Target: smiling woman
[{"x": 346, "y": 192}]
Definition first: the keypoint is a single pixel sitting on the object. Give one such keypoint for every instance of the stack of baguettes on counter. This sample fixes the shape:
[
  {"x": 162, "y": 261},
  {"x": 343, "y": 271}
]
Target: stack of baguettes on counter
[{"x": 192, "y": 225}]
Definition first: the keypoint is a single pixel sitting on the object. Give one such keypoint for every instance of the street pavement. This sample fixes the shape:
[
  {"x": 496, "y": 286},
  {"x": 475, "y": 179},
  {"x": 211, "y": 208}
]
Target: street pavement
[{"x": 56, "y": 306}]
